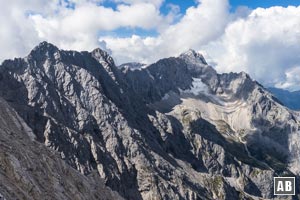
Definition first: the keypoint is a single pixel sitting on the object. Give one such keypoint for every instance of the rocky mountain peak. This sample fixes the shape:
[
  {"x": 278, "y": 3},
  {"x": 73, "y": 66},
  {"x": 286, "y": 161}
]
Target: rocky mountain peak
[
  {"x": 244, "y": 75},
  {"x": 193, "y": 56},
  {"x": 44, "y": 49},
  {"x": 45, "y": 45},
  {"x": 102, "y": 56}
]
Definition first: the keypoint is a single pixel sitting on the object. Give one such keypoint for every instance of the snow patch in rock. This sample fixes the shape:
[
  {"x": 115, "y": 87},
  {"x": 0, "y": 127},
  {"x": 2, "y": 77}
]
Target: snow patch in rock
[
  {"x": 134, "y": 66},
  {"x": 198, "y": 87}
]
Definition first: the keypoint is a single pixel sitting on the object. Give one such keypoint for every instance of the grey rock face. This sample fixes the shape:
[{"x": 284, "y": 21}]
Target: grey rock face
[
  {"x": 175, "y": 129},
  {"x": 28, "y": 170}
]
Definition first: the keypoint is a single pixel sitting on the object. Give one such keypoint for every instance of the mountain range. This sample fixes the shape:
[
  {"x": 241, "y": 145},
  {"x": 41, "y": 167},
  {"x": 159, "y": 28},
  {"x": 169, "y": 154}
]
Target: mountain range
[
  {"x": 76, "y": 126},
  {"x": 289, "y": 99}
]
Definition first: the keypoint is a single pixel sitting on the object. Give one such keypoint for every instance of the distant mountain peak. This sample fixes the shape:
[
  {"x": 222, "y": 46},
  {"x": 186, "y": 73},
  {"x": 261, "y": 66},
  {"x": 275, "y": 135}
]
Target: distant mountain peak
[
  {"x": 102, "y": 56},
  {"x": 99, "y": 51},
  {"x": 289, "y": 99},
  {"x": 45, "y": 46},
  {"x": 43, "y": 50},
  {"x": 193, "y": 56}
]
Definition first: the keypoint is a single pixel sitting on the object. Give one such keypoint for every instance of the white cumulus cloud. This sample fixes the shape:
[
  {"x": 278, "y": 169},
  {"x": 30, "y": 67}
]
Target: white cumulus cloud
[
  {"x": 72, "y": 24},
  {"x": 78, "y": 28},
  {"x": 17, "y": 34},
  {"x": 292, "y": 79},
  {"x": 262, "y": 42},
  {"x": 199, "y": 26}
]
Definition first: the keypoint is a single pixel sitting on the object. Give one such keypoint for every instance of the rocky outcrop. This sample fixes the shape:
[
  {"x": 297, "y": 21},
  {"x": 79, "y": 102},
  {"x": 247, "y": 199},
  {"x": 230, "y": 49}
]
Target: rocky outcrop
[
  {"x": 28, "y": 170},
  {"x": 175, "y": 129}
]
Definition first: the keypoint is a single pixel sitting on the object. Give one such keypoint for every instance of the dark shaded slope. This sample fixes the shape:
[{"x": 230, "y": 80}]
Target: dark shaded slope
[{"x": 28, "y": 170}]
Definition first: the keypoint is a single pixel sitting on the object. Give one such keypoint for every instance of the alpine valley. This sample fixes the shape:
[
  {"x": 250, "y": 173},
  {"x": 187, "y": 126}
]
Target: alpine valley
[{"x": 73, "y": 125}]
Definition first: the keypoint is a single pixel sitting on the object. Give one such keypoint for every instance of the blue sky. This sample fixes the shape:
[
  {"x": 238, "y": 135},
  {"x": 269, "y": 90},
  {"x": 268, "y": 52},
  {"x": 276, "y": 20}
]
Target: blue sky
[
  {"x": 185, "y": 4},
  {"x": 263, "y": 3},
  {"x": 235, "y": 3}
]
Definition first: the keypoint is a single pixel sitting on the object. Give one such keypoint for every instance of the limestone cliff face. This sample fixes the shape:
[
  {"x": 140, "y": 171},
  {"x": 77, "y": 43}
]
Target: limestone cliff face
[{"x": 175, "y": 129}]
